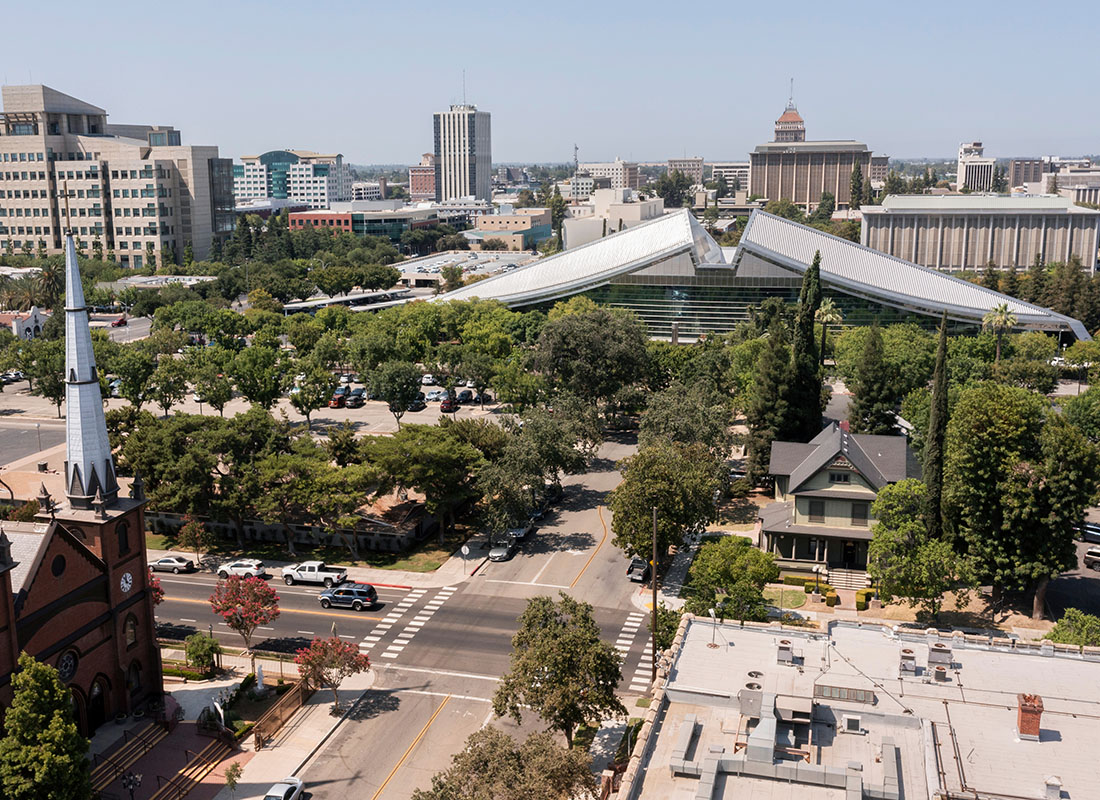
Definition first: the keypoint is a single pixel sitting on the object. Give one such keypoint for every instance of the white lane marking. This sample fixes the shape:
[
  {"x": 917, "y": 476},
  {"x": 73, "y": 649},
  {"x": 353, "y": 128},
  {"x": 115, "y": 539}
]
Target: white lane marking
[
  {"x": 544, "y": 566},
  {"x": 446, "y": 694},
  {"x": 185, "y": 619},
  {"x": 527, "y": 583},
  {"x": 422, "y": 617},
  {"x": 471, "y": 675},
  {"x": 345, "y": 636},
  {"x": 262, "y": 628},
  {"x": 389, "y": 655},
  {"x": 307, "y": 633}
]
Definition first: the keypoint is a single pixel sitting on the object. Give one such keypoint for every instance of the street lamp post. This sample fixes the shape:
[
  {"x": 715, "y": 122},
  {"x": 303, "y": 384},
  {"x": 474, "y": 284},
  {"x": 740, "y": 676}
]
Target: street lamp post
[
  {"x": 653, "y": 581},
  {"x": 131, "y": 782},
  {"x": 38, "y": 430}
]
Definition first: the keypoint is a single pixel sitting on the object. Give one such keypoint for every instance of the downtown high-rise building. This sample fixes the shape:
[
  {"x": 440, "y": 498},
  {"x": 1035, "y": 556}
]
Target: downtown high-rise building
[
  {"x": 463, "y": 154},
  {"x": 134, "y": 191}
]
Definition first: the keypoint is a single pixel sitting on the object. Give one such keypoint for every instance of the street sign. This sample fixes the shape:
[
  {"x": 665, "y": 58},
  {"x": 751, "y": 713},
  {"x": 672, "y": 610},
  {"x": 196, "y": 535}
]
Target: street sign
[{"x": 465, "y": 549}]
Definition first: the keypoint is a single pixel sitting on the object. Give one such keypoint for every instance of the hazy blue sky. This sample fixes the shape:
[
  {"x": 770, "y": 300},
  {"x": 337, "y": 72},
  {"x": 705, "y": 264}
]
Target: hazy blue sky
[{"x": 641, "y": 80}]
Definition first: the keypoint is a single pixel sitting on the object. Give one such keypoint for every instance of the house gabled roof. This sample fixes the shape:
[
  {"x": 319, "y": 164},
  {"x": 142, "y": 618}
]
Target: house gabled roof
[{"x": 879, "y": 459}]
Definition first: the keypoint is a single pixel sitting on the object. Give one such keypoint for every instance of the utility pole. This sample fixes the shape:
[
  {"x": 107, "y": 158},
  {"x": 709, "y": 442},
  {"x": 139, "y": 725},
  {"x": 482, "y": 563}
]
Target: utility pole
[{"x": 653, "y": 580}]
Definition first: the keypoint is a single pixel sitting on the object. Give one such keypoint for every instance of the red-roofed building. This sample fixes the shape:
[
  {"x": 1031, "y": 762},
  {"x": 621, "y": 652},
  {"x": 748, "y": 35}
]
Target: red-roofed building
[{"x": 790, "y": 127}]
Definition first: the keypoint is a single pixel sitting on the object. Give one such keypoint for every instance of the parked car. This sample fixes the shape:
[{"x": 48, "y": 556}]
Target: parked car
[
  {"x": 174, "y": 564},
  {"x": 427, "y": 380},
  {"x": 286, "y": 789},
  {"x": 503, "y": 548},
  {"x": 119, "y": 323},
  {"x": 1092, "y": 558},
  {"x": 482, "y": 398},
  {"x": 471, "y": 384},
  {"x": 115, "y": 386},
  {"x": 435, "y": 395},
  {"x": 521, "y": 532},
  {"x": 245, "y": 567},
  {"x": 314, "y": 572},
  {"x": 339, "y": 397},
  {"x": 464, "y": 397},
  {"x": 448, "y": 405},
  {"x": 345, "y": 380},
  {"x": 638, "y": 571},
  {"x": 356, "y": 398},
  {"x": 356, "y": 596},
  {"x": 417, "y": 405},
  {"x": 1089, "y": 532}
]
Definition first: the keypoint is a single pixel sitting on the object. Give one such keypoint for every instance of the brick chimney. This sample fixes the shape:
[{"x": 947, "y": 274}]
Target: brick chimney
[{"x": 1028, "y": 717}]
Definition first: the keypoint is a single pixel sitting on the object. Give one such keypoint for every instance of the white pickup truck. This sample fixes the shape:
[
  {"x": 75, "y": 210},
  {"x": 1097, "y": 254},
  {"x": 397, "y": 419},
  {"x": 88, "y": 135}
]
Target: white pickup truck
[{"x": 314, "y": 572}]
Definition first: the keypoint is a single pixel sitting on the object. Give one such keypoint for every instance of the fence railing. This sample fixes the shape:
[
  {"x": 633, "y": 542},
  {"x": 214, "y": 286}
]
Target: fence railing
[{"x": 285, "y": 707}]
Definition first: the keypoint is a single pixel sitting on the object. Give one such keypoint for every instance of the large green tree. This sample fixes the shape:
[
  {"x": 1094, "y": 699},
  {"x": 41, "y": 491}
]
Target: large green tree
[
  {"x": 804, "y": 395},
  {"x": 679, "y": 480},
  {"x": 397, "y": 383},
  {"x": 856, "y": 187},
  {"x": 561, "y": 668},
  {"x": 767, "y": 409},
  {"x": 492, "y": 766},
  {"x": 312, "y": 392},
  {"x": 259, "y": 375},
  {"x": 874, "y": 397},
  {"x": 935, "y": 439},
  {"x": 729, "y": 575},
  {"x": 687, "y": 415},
  {"x": 42, "y": 755}
]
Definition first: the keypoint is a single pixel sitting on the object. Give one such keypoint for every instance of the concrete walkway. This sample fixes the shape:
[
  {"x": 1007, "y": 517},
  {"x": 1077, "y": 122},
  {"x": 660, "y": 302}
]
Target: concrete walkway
[
  {"x": 668, "y": 591},
  {"x": 605, "y": 743},
  {"x": 454, "y": 571}
]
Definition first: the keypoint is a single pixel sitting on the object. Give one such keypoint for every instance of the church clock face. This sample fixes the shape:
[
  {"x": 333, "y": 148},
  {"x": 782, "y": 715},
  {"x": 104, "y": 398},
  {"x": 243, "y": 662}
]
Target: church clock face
[
  {"x": 126, "y": 583},
  {"x": 66, "y": 665}
]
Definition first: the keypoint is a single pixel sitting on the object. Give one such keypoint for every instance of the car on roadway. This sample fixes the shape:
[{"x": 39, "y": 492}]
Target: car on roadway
[
  {"x": 314, "y": 572},
  {"x": 471, "y": 384},
  {"x": 520, "y": 532},
  {"x": 1092, "y": 558},
  {"x": 435, "y": 395},
  {"x": 355, "y": 596},
  {"x": 1089, "y": 532},
  {"x": 427, "y": 380},
  {"x": 174, "y": 564},
  {"x": 286, "y": 789},
  {"x": 119, "y": 323},
  {"x": 448, "y": 405},
  {"x": 464, "y": 397},
  {"x": 356, "y": 398},
  {"x": 638, "y": 571},
  {"x": 503, "y": 548},
  {"x": 417, "y": 404},
  {"x": 339, "y": 397},
  {"x": 482, "y": 398},
  {"x": 245, "y": 567}
]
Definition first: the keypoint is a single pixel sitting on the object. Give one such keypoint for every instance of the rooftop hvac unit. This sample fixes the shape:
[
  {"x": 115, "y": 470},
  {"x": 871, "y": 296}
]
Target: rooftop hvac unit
[
  {"x": 940, "y": 653},
  {"x": 851, "y": 723},
  {"x": 908, "y": 661}
]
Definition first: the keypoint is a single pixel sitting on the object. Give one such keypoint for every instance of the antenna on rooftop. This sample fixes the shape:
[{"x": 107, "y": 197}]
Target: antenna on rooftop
[
  {"x": 576, "y": 161},
  {"x": 790, "y": 100},
  {"x": 463, "y": 87}
]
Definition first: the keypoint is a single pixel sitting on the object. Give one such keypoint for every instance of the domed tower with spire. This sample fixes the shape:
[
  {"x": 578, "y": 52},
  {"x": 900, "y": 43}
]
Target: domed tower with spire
[{"x": 790, "y": 127}]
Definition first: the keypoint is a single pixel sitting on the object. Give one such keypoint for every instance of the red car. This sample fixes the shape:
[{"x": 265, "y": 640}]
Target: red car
[
  {"x": 118, "y": 323},
  {"x": 449, "y": 405},
  {"x": 339, "y": 397}
]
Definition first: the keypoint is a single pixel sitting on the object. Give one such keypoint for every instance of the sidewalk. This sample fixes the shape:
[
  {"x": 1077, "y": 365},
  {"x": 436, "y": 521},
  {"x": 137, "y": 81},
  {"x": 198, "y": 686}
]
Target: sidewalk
[
  {"x": 453, "y": 572},
  {"x": 298, "y": 741},
  {"x": 668, "y": 592}
]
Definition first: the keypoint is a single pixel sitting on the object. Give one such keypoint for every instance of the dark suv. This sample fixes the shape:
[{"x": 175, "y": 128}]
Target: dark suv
[
  {"x": 356, "y": 398},
  {"x": 356, "y": 596}
]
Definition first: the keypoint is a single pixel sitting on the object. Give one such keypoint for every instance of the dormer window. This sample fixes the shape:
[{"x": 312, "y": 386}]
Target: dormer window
[{"x": 840, "y": 477}]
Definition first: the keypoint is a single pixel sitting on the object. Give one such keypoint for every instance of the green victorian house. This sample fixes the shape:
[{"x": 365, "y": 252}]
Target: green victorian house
[{"x": 823, "y": 492}]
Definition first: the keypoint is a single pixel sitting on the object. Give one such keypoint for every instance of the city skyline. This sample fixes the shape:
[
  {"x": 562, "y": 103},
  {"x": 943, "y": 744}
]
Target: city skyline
[{"x": 639, "y": 102}]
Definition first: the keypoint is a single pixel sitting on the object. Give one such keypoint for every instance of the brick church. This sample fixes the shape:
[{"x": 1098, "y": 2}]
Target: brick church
[{"x": 74, "y": 583}]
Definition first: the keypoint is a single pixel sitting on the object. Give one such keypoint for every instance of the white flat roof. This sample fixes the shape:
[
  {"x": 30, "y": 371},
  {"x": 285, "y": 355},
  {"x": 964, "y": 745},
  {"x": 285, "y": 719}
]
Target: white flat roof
[{"x": 947, "y": 203}]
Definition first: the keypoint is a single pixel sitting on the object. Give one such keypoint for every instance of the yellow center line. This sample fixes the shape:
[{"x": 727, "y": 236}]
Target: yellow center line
[
  {"x": 281, "y": 610},
  {"x": 599, "y": 510},
  {"x": 412, "y": 746}
]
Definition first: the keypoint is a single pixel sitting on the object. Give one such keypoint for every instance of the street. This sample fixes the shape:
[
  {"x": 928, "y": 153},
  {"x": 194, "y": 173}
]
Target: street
[
  {"x": 19, "y": 438},
  {"x": 439, "y": 652}
]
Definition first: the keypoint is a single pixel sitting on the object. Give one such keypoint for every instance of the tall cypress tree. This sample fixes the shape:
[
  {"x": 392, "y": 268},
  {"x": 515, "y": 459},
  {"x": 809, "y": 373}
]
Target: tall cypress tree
[
  {"x": 991, "y": 277},
  {"x": 804, "y": 398},
  {"x": 934, "y": 442},
  {"x": 1010, "y": 284},
  {"x": 1037, "y": 282},
  {"x": 872, "y": 409},
  {"x": 856, "y": 187},
  {"x": 767, "y": 412}
]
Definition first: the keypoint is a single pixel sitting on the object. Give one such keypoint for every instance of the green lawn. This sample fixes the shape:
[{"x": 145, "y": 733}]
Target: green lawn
[
  {"x": 427, "y": 557},
  {"x": 785, "y": 598}
]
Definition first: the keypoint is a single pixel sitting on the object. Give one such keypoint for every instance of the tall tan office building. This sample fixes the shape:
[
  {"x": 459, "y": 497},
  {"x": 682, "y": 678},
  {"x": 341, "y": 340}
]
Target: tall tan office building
[
  {"x": 135, "y": 188},
  {"x": 463, "y": 154},
  {"x": 621, "y": 174},
  {"x": 692, "y": 167},
  {"x": 791, "y": 168},
  {"x": 966, "y": 232}
]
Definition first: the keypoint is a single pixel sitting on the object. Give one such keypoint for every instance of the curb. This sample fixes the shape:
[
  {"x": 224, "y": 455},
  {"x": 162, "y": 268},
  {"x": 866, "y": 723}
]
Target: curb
[
  {"x": 479, "y": 566},
  {"x": 332, "y": 729},
  {"x": 392, "y": 585}
]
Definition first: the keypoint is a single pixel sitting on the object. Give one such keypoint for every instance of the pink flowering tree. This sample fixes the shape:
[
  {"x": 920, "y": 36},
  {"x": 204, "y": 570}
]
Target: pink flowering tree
[
  {"x": 155, "y": 589},
  {"x": 326, "y": 662},
  {"x": 245, "y": 604}
]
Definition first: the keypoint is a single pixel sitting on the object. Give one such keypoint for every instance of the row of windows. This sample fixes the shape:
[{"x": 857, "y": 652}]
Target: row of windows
[
  {"x": 860, "y": 511},
  {"x": 23, "y": 157},
  {"x": 23, "y": 176},
  {"x": 844, "y": 693}
]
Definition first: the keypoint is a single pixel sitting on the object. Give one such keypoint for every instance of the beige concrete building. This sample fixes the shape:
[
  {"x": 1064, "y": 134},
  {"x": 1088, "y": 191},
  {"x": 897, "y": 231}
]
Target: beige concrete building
[
  {"x": 966, "y": 232},
  {"x": 975, "y": 171},
  {"x": 463, "y": 153},
  {"x": 1024, "y": 170},
  {"x": 136, "y": 189},
  {"x": 608, "y": 211},
  {"x": 692, "y": 167},
  {"x": 736, "y": 174},
  {"x": 622, "y": 174}
]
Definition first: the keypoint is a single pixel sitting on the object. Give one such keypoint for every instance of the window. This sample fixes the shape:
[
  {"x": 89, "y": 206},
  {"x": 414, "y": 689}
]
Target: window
[
  {"x": 859, "y": 514},
  {"x": 840, "y": 477},
  {"x": 58, "y": 566},
  {"x": 844, "y": 693},
  {"x": 817, "y": 511},
  {"x": 130, "y": 630},
  {"x": 122, "y": 531}
]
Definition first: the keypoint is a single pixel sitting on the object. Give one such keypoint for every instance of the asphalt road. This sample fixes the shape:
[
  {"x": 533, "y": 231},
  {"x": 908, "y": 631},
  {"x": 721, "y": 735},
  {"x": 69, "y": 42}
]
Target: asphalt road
[
  {"x": 1079, "y": 588},
  {"x": 135, "y": 327},
  {"x": 21, "y": 439}
]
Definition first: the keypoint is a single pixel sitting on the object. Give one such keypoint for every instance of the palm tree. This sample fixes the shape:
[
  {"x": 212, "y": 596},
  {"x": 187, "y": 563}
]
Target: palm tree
[
  {"x": 25, "y": 293},
  {"x": 51, "y": 284},
  {"x": 827, "y": 314},
  {"x": 1000, "y": 320}
]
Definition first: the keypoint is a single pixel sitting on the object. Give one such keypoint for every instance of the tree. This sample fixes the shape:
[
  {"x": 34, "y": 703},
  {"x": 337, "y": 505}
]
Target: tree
[
  {"x": 825, "y": 208},
  {"x": 991, "y": 277},
  {"x": 828, "y": 313},
  {"x": 525, "y": 199},
  {"x": 327, "y": 662},
  {"x": 46, "y": 370},
  {"x": 312, "y": 392},
  {"x": 1000, "y": 320},
  {"x": 201, "y": 651},
  {"x": 680, "y": 480},
  {"x": 785, "y": 208},
  {"x": 451, "y": 276},
  {"x": 42, "y": 754},
  {"x": 557, "y": 210},
  {"x": 903, "y": 558},
  {"x": 1076, "y": 627},
  {"x": 856, "y": 187},
  {"x": 1010, "y": 284},
  {"x": 804, "y": 388},
  {"x": 168, "y": 383},
  {"x": 767, "y": 410},
  {"x": 156, "y": 591},
  {"x": 397, "y": 383},
  {"x": 668, "y": 622},
  {"x": 729, "y": 575},
  {"x": 872, "y": 409},
  {"x": 935, "y": 439},
  {"x": 259, "y": 375},
  {"x": 232, "y": 777},
  {"x": 688, "y": 415},
  {"x": 560, "y": 668},
  {"x": 262, "y": 300},
  {"x": 245, "y": 604},
  {"x": 1036, "y": 286},
  {"x": 213, "y": 387},
  {"x": 378, "y": 276},
  {"x": 490, "y": 765},
  {"x": 196, "y": 537},
  {"x": 493, "y": 243}
]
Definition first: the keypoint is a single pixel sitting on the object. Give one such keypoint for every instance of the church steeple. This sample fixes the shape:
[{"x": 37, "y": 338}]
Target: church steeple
[{"x": 89, "y": 468}]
